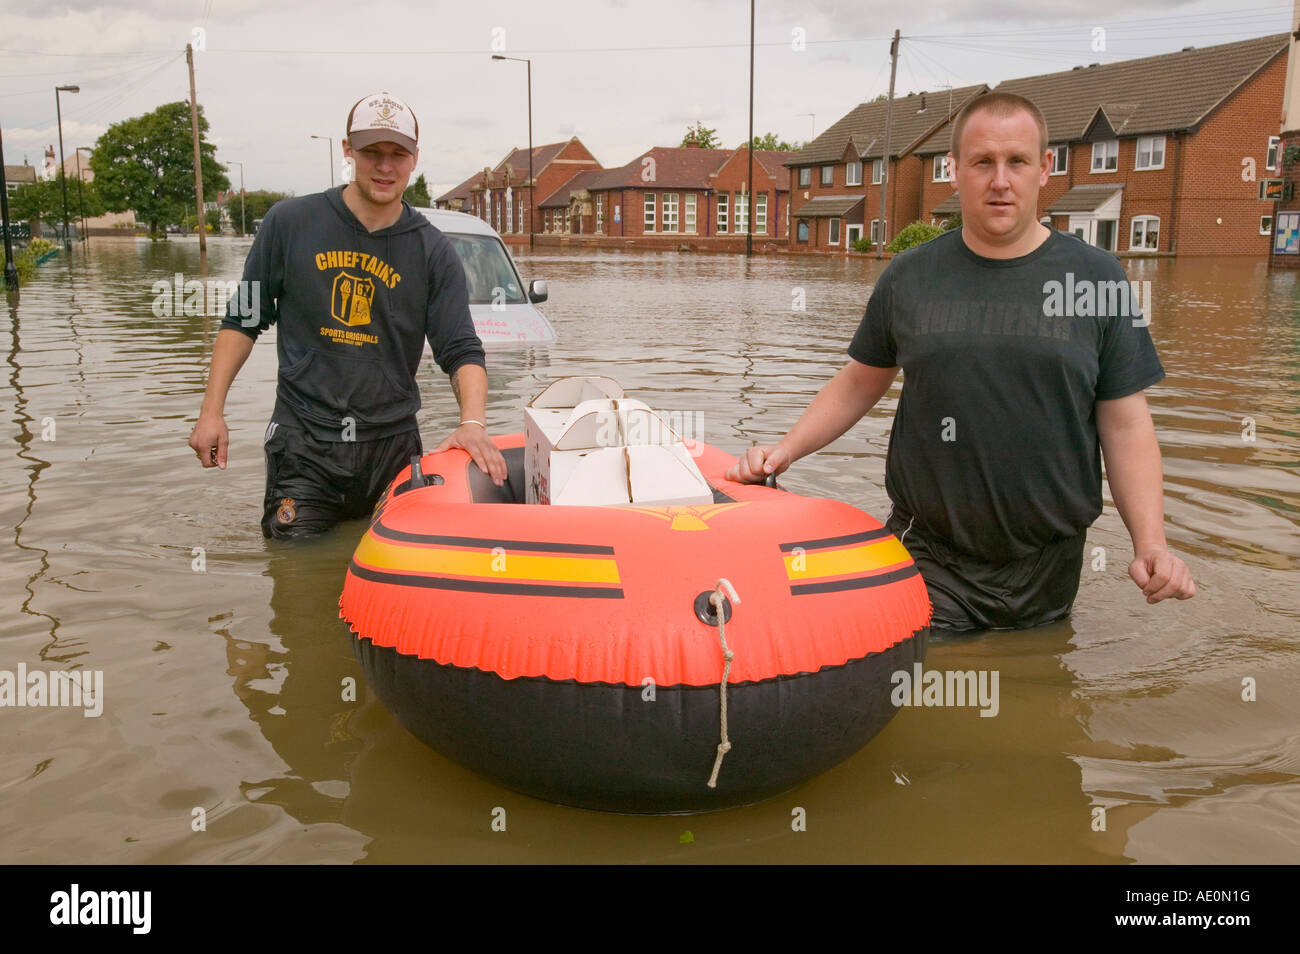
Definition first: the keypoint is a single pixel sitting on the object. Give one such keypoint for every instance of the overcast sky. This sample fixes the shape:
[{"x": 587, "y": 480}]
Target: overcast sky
[{"x": 622, "y": 75}]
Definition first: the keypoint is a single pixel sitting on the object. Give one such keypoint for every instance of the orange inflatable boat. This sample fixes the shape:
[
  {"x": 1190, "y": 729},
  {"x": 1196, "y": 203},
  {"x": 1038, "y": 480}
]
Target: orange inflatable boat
[{"x": 575, "y": 654}]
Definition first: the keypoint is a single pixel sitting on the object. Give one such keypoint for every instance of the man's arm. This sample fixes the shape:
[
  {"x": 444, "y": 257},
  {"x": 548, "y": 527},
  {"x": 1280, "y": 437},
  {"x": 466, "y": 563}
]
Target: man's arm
[
  {"x": 1128, "y": 442},
  {"x": 840, "y": 404},
  {"x": 470, "y": 385},
  {"x": 210, "y": 437}
]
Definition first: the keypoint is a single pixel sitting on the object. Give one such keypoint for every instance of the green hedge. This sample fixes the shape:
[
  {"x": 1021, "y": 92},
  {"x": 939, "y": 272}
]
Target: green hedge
[{"x": 918, "y": 233}]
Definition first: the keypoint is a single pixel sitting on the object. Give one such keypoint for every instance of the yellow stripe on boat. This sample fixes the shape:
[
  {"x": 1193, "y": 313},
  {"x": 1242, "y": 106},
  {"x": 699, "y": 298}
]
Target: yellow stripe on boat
[
  {"x": 502, "y": 565},
  {"x": 861, "y": 559}
]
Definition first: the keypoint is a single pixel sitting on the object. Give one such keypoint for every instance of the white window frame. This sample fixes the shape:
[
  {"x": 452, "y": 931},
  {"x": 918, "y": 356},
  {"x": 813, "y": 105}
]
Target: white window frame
[
  {"x": 1266, "y": 229},
  {"x": 853, "y": 173},
  {"x": 1062, "y": 152},
  {"x": 510, "y": 215},
  {"x": 877, "y": 171},
  {"x": 722, "y": 213},
  {"x": 649, "y": 221},
  {"x": 1145, "y": 221},
  {"x": 1272, "y": 155},
  {"x": 805, "y": 176},
  {"x": 760, "y": 214},
  {"x": 741, "y": 213},
  {"x": 1108, "y": 152},
  {"x": 803, "y": 224},
  {"x": 688, "y": 213},
  {"x": 940, "y": 171},
  {"x": 875, "y": 231},
  {"x": 668, "y": 212},
  {"x": 852, "y": 233},
  {"x": 832, "y": 231},
  {"x": 1150, "y": 142},
  {"x": 828, "y": 172},
  {"x": 600, "y": 212}
]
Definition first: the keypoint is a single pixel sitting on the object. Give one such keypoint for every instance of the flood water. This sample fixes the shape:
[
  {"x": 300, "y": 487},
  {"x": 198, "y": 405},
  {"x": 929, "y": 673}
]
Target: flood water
[{"x": 222, "y": 687}]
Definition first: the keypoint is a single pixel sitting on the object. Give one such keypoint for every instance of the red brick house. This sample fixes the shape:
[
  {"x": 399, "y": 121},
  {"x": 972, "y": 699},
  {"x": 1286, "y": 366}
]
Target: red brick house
[
  {"x": 836, "y": 180},
  {"x": 1286, "y": 208},
  {"x": 671, "y": 196},
  {"x": 1152, "y": 155},
  {"x": 503, "y": 197}
]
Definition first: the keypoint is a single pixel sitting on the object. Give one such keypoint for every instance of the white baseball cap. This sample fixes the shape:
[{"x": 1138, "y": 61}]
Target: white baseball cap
[{"x": 382, "y": 117}]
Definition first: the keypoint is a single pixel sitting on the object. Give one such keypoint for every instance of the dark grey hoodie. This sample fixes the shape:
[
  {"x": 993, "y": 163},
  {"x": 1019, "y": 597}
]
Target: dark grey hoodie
[{"x": 353, "y": 310}]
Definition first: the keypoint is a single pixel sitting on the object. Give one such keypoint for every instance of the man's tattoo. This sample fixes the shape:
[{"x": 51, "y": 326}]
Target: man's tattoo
[{"x": 455, "y": 385}]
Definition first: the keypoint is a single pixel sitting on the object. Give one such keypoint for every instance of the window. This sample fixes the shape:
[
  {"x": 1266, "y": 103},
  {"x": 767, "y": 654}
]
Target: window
[
  {"x": 1266, "y": 225},
  {"x": 828, "y": 175},
  {"x": 1150, "y": 152},
  {"x": 803, "y": 230},
  {"x": 877, "y": 171},
  {"x": 835, "y": 232},
  {"x": 853, "y": 173},
  {"x": 670, "y": 212},
  {"x": 1105, "y": 156},
  {"x": 742, "y": 212},
  {"x": 649, "y": 212},
  {"x": 690, "y": 212},
  {"x": 600, "y": 211},
  {"x": 805, "y": 176},
  {"x": 1271, "y": 161},
  {"x": 875, "y": 231},
  {"x": 1060, "y": 159},
  {"x": 940, "y": 169},
  {"x": 1146, "y": 233},
  {"x": 760, "y": 213},
  {"x": 722, "y": 212},
  {"x": 510, "y": 214}
]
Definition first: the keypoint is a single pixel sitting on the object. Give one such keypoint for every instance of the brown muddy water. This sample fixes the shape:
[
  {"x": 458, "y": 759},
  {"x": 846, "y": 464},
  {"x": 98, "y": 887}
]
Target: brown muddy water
[{"x": 222, "y": 687}]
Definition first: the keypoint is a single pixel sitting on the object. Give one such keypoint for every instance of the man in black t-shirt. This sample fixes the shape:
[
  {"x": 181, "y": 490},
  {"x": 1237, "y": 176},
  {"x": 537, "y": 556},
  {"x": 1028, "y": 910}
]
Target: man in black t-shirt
[{"x": 1025, "y": 358}]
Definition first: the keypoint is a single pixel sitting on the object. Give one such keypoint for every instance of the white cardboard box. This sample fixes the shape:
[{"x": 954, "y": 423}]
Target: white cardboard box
[{"x": 586, "y": 443}]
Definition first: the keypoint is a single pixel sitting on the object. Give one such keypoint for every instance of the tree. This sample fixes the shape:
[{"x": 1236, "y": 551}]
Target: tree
[
  {"x": 701, "y": 137},
  {"x": 417, "y": 193},
  {"x": 918, "y": 233},
  {"x": 257, "y": 203},
  {"x": 44, "y": 200},
  {"x": 146, "y": 163},
  {"x": 771, "y": 142}
]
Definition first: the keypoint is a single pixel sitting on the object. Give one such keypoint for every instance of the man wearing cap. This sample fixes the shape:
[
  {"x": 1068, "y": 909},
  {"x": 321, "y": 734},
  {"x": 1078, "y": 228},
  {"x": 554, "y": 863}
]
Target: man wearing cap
[{"x": 356, "y": 282}]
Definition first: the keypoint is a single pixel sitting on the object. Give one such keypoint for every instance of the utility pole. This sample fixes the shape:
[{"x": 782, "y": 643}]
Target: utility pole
[
  {"x": 81, "y": 196},
  {"x": 11, "y": 268},
  {"x": 242, "y": 223},
  {"x": 887, "y": 209},
  {"x": 749, "y": 201},
  {"x": 198, "y": 168}
]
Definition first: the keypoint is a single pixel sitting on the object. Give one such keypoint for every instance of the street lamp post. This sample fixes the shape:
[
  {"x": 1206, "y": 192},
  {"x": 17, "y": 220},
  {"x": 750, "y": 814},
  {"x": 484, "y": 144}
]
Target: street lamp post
[
  {"x": 58, "y": 110},
  {"x": 81, "y": 195},
  {"x": 531, "y": 185},
  {"x": 329, "y": 140},
  {"x": 242, "y": 229}
]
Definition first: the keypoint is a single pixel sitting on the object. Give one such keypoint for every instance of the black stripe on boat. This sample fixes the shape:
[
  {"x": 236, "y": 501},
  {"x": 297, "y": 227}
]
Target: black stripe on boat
[
  {"x": 487, "y": 543},
  {"x": 855, "y": 583},
  {"x": 863, "y": 537}
]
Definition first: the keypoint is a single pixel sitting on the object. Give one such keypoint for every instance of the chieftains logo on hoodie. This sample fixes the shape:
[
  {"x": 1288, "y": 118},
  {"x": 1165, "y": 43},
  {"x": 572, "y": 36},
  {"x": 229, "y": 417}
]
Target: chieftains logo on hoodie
[{"x": 351, "y": 299}]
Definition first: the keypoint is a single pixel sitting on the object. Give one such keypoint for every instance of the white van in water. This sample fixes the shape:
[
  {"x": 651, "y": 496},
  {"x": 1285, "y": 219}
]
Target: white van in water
[{"x": 503, "y": 311}]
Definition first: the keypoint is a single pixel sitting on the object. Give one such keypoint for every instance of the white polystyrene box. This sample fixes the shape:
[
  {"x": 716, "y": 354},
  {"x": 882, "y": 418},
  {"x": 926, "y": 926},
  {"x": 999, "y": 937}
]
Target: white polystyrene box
[{"x": 585, "y": 443}]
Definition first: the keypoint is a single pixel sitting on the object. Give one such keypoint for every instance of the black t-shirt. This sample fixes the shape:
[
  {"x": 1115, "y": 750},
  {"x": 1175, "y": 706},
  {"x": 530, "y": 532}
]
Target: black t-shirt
[{"x": 994, "y": 445}]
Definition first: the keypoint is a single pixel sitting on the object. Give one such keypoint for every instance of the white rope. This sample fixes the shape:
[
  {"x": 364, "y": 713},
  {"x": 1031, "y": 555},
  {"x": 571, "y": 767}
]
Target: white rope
[{"x": 724, "y": 746}]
